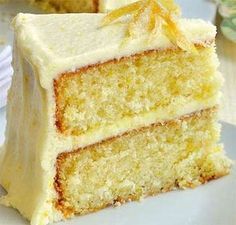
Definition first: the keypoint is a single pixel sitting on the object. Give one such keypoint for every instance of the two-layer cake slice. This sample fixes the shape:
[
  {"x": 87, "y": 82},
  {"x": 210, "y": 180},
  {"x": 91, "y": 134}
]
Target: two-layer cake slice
[{"x": 94, "y": 121}]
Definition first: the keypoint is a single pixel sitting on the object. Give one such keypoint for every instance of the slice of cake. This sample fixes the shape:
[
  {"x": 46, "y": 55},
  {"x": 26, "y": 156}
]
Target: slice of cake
[
  {"x": 63, "y": 6},
  {"x": 100, "y": 115}
]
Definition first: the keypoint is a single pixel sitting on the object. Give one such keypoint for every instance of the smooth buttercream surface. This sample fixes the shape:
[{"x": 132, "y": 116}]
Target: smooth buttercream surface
[{"x": 60, "y": 43}]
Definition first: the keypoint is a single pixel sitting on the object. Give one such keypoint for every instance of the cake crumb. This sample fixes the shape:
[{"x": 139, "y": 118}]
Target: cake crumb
[{"x": 117, "y": 204}]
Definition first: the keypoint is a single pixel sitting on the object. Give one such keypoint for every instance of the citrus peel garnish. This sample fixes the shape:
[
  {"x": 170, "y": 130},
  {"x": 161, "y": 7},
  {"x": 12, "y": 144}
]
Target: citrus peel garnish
[{"x": 162, "y": 17}]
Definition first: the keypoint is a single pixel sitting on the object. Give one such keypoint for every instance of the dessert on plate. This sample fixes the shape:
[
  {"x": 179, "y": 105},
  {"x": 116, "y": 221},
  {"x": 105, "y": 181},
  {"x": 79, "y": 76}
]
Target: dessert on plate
[
  {"x": 108, "y": 108},
  {"x": 71, "y": 6}
]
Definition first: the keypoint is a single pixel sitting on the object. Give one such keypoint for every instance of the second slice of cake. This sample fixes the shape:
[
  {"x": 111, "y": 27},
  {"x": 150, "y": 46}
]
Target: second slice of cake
[
  {"x": 72, "y": 6},
  {"x": 95, "y": 121}
]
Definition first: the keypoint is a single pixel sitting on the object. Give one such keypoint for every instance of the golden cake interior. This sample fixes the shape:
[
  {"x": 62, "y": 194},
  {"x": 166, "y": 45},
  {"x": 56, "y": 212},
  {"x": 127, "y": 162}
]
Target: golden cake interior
[
  {"x": 121, "y": 89},
  {"x": 158, "y": 158},
  {"x": 65, "y": 6}
]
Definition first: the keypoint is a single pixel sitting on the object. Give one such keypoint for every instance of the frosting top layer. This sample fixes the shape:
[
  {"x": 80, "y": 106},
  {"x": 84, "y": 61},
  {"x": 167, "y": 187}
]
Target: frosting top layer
[{"x": 54, "y": 43}]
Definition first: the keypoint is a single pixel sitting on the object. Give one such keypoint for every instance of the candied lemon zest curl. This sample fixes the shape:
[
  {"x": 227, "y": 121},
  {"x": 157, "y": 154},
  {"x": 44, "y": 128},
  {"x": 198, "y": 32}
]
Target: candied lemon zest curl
[
  {"x": 116, "y": 14},
  {"x": 162, "y": 16},
  {"x": 171, "y": 6}
]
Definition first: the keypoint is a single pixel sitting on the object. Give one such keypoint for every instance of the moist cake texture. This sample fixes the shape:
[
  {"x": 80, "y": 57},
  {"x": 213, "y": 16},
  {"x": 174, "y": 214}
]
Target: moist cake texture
[
  {"x": 136, "y": 86},
  {"x": 178, "y": 153},
  {"x": 93, "y": 122}
]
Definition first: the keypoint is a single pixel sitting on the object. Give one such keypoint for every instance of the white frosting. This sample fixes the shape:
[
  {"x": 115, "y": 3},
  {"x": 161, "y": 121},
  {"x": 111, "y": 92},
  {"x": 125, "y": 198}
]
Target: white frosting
[
  {"x": 58, "y": 43},
  {"x": 46, "y": 46}
]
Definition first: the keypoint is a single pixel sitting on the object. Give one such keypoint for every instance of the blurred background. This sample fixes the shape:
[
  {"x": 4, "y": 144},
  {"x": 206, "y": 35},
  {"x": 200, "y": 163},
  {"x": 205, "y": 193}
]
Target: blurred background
[{"x": 220, "y": 12}]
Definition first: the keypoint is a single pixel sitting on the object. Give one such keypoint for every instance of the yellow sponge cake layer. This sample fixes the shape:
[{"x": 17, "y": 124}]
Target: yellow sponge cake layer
[
  {"x": 179, "y": 153},
  {"x": 163, "y": 83}
]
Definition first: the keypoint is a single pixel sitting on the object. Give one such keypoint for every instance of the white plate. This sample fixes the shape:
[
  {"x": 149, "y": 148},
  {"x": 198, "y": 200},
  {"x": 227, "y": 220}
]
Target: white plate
[{"x": 210, "y": 204}]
